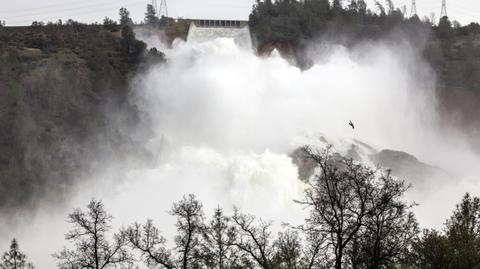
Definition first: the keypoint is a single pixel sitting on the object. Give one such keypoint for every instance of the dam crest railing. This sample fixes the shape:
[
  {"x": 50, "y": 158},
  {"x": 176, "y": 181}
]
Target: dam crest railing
[{"x": 220, "y": 23}]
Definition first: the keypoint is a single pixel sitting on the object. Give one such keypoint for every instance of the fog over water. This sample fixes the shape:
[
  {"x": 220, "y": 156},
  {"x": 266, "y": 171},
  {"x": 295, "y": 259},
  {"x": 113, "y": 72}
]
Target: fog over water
[{"x": 220, "y": 122}]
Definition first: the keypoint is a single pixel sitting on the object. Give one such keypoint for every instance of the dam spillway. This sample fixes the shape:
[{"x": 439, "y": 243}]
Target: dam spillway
[{"x": 205, "y": 30}]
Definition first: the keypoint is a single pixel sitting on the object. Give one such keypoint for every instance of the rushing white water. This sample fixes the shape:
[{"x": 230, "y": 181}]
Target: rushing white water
[
  {"x": 241, "y": 35},
  {"x": 221, "y": 123},
  {"x": 216, "y": 98}
]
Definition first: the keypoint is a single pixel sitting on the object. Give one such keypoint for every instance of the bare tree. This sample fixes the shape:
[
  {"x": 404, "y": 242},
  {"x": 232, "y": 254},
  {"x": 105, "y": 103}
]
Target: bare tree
[
  {"x": 14, "y": 258},
  {"x": 190, "y": 225},
  {"x": 345, "y": 197},
  {"x": 314, "y": 252},
  {"x": 288, "y": 250},
  {"x": 389, "y": 231},
  {"x": 254, "y": 240},
  {"x": 147, "y": 239},
  {"x": 295, "y": 250},
  {"x": 92, "y": 249}
]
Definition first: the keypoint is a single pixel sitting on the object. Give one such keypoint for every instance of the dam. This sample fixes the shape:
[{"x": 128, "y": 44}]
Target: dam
[{"x": 202, "y": 30}]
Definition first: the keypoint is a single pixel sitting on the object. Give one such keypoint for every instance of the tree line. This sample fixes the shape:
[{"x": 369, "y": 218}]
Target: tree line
[
  {"x": 450, "y": 48},
  {"x": 356, "y": 218},
  {"x": 56, "y": 81}
]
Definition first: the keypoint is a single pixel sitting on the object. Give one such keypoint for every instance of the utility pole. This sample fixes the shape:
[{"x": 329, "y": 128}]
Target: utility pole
[
  {"x": 413, "y": 10},
  {"x": 443, "y": 13},
  {"x": 163, "y": 11}
]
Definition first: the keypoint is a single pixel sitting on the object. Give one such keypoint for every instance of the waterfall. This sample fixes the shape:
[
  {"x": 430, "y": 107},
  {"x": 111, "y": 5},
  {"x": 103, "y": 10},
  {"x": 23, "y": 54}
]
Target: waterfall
[{"x": 241, "y": 35}]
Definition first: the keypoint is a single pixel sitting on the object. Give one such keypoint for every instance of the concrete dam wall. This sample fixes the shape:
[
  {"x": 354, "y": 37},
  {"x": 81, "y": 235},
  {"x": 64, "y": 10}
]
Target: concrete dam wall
[{"x": 204, "y": 30}]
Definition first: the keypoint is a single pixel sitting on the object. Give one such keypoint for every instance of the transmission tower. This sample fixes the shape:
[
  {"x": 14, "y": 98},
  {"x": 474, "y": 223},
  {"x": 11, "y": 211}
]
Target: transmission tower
[
  {"x": 413, "y": 10},
  {"x": 155, "y": 6},
  {"x": 163, "y": 10},
  {"x": 443, "y": 13}
]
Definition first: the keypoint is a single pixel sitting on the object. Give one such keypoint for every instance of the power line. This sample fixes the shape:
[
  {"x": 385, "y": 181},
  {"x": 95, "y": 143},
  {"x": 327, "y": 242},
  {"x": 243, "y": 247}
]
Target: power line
[
  {"x": 462, "y": 11},
  {"x": 80, "y": 8},
  {"x": 73, "y": 4},
  {"x": 96, "y": 6},
  {"x": 21, "y": 10},
  {"x": 77, "y": 13}
]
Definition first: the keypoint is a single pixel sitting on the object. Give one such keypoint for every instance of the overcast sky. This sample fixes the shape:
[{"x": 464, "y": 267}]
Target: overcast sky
[{"x": 23, "y": 12}]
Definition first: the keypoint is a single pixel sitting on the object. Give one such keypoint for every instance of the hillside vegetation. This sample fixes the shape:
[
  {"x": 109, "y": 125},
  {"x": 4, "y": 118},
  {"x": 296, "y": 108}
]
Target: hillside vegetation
[
  {"x": 63, "y": 103},
  {"x": 61, "y": 87},
  {"x": 64, "y": 86},
  {"x": 452, "y": 50}
]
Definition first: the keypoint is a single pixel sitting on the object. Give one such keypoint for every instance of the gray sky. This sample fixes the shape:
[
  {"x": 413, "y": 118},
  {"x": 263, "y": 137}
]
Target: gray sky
[{"x": 23, "y": 12}]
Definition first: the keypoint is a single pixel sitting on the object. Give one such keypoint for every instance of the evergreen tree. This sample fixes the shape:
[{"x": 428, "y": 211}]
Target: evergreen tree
[
  {"x": 218, "y": 239},
  {"x": 362, "y": 7},
  {"x": 14, "y": 258},
  {"x": 132, "y": 48},
  {"x": 151, "y": 18},
  {"x": 336, "y": 6},
  {"x": 445, "y": 28},
  {"x": 431, "y": 251},
  {"x": 110, "y": 24},
  {"x": 458, "y": 247},
  {"x": 463, "y": 233},
  {"x": 125, "y": 19}
]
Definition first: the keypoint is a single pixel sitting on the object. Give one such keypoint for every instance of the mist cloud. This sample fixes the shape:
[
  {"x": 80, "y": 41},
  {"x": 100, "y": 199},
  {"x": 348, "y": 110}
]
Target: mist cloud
[{"x": 220, "y": 122}]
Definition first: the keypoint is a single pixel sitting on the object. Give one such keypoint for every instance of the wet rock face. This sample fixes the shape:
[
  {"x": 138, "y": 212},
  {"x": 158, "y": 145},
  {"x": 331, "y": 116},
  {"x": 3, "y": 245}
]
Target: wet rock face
[
  {"x": 402, "y": 165},
  {"x": 353, "y": 154},
  {"x": 305, "y": 165},
  {"x": 409, "y": 168},
  {"x": 392, "y": 159}
]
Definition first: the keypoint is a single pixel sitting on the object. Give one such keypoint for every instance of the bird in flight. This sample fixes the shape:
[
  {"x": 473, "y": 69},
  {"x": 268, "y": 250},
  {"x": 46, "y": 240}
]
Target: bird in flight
[{"x": 351, "y": 124}]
